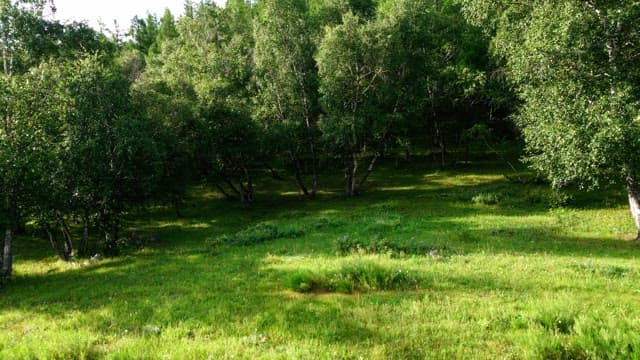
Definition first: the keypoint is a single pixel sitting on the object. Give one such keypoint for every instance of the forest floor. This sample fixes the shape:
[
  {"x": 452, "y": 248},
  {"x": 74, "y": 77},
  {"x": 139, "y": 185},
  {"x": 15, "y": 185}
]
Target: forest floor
[{"x": 426, "y": 264}]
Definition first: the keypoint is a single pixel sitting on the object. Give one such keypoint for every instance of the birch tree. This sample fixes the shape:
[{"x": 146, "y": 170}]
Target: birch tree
[{"x": 576, "y": 66}]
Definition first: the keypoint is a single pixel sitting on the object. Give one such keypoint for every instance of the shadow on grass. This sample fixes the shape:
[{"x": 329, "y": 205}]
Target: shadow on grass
[
  {"x": 202, "y": 295},
  {"x": 434, "y": 202},
  {"x": 435, "y": 207}
]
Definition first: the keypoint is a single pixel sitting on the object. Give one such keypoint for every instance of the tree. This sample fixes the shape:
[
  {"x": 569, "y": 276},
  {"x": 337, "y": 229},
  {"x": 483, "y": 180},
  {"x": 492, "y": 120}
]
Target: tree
[
  {"x": 443, "y": 71},
  {"x": 354, "y": 61},
  {"x": 111, "y": 159},
  {"x": 18, "y": 160},
  {"x": 22, "y": 155},
  {"x": 287, "y": 80},
  {"x": 165, "y": 31},
  {"x": 144, "y": 33},
  {"x": 173, "y": 112},
  {"x": 209, "y": 66},
  {"x": 575, "y": 66},
  {"x": 330, "y": 12}
]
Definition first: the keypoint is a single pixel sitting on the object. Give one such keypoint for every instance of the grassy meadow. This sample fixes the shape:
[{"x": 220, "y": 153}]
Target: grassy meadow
[{"x": 427, "y": 264}]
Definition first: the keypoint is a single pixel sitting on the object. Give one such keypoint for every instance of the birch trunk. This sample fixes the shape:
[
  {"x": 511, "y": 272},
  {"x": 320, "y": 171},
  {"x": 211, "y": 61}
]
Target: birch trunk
[
  {"x": 84, "y": 240},
  {"x": 633, "y": 191},
  {"x": 7, "y": 256}
]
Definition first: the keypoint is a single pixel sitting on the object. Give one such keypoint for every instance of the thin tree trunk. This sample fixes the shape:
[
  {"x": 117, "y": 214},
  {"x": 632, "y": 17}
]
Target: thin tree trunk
[
  {"x": 116, "y": 231},
  {"x": 111, "y": 236},
  {"x": 354, "y": 174},
  {"x": 176, "y": 206},
  {"x": 84, "y": 240},
  {"x": 249, "y": 188},
  {"x": 232, "y": 187},
  {"x": 7, "y": 256},
  {"x": 52, "y": 239},
  {"x": 246, "y": 192},
  {"x": 347, "y": 179},
  {"x": 369, "y": 171},
  {"x": 443, "y": 152},
  {"x": 298, "y": 173},
  {"x": 633, "y": 191},
  {"x": 314, "y": 168},
  {"x": 303, "y": 189},
  {"x": 66, "y": 234},
  {"x": 107, "y": 226},
  {"x": 1, "y": 261},
  {"x": 350, "y": 176}
]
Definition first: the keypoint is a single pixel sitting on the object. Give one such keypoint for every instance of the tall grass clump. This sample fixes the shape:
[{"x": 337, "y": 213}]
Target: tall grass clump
[{"x": 354, "y": 277}]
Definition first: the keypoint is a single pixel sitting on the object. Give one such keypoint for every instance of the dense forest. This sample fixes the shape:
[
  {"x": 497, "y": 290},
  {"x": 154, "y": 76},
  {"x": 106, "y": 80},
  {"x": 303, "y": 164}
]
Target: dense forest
[{"x": 95, "y": 125}]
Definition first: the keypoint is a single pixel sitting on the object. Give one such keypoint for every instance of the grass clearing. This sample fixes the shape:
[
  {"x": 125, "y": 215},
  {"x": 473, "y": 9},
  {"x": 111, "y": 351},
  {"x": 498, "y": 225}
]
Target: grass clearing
[{"x": 415, "y": 268}]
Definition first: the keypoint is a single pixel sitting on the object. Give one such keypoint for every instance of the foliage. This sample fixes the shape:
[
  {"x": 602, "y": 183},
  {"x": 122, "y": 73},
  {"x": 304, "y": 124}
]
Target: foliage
[
  {"x": 98, "y": 137},
  {"x": 111, "y": 158},
  {"x": 287, "y": 81},
  {"x": 205, "y": 70},
  {"x": 353, "y": 64},
  {"x": 32, "y": 103},
  {"x": 577, "y": 75}
]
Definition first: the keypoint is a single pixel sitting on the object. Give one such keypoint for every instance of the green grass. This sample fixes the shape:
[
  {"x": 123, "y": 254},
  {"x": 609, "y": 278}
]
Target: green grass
[{"x": 427, "y": 264}]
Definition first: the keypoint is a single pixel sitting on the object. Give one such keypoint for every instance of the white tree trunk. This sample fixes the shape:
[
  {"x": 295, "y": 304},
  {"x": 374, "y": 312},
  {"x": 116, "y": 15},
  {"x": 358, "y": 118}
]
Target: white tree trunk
[
  {"x": 634, "y": 204},
  {"x": 7, "y": 256}
]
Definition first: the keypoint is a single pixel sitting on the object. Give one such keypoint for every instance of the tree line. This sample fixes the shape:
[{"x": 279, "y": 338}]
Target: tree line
[{"x": 94, "y": 125}]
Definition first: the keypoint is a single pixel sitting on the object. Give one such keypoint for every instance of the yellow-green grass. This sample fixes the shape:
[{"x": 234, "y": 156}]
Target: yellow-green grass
[{"x": 507, "y": 277}]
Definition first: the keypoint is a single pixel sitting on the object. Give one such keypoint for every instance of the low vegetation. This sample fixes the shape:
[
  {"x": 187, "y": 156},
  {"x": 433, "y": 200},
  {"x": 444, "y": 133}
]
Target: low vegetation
[{"x": 414, "y": 269}]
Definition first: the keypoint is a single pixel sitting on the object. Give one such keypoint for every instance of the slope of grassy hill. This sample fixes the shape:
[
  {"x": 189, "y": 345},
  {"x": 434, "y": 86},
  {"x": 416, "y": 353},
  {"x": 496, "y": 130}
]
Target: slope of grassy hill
[{"x": 426, "y": 264}]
